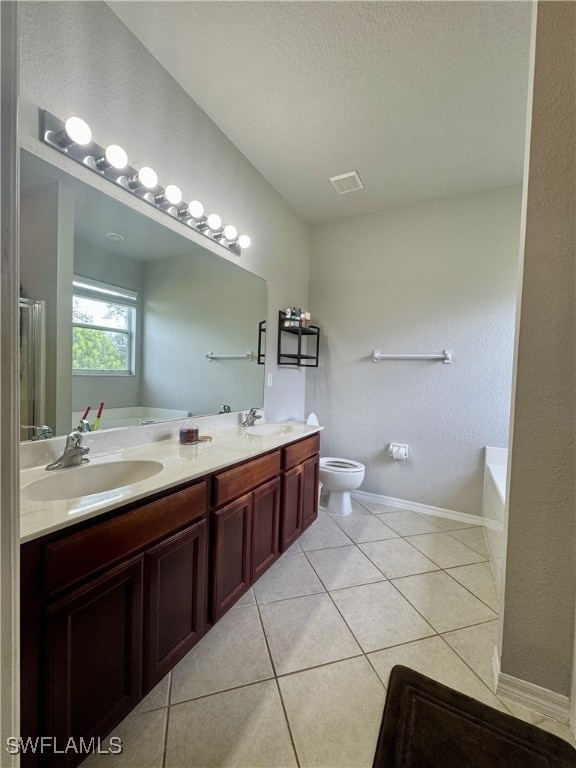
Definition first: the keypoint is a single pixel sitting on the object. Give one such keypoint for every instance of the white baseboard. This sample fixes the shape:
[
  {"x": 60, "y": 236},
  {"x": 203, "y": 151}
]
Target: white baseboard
[
  {"x": 542, "y": 700},
  {"x": 425, "y": 509}
]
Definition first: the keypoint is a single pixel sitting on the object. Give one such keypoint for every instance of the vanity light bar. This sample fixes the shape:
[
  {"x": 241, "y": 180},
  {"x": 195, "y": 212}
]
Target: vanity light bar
[{"x": 74, "y": 138}]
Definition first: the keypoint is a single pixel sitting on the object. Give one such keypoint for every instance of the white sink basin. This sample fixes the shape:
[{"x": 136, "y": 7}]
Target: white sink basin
[
  {"x": 88, "y": 479},
  {"x": 269, "y": 429}
]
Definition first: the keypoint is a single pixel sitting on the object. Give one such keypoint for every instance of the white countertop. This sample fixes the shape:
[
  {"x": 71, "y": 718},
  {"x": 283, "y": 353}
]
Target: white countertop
[{"x": 182, "y": 463}]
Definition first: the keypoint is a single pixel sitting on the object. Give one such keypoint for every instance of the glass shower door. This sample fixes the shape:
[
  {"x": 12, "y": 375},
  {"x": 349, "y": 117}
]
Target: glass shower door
[{"x": 32, "y": 364}]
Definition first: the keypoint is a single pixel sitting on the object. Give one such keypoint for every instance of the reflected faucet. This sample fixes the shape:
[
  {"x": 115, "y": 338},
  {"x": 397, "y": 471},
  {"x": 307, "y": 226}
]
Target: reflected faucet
[
  {"x": 39, "y": 431},
  {"x": 251, "y": 417},
  {"x": 74, "y": 454}
]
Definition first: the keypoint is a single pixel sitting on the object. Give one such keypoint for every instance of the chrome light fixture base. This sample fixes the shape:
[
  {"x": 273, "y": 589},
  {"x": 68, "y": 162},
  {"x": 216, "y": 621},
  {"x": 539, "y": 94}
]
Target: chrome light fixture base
[{"x": 91, "y": 155}]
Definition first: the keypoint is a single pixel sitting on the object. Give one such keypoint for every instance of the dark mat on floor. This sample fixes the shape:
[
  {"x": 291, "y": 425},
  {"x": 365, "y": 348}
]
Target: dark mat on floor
[{"x": 428, "y": 725}]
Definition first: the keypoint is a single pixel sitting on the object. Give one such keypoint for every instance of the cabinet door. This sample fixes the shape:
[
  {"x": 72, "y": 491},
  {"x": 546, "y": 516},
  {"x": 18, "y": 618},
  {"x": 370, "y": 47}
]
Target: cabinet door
[
  {"x": 310, "y": 492},
  {"x": 265, "y": 527},
  {"x": 93, "y": 658},
  {"x": 232, "y": 554},
  {"x": 292, "y": 490},
  {"x": 176, "y": 600}
]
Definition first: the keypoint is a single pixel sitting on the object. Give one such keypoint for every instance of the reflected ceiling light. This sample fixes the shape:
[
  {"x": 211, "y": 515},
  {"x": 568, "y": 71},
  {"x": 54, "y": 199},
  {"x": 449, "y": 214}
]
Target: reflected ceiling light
[
  {"x": 115, "y": 237},
  {"x": 74, "y": 139},
  {"x": 113, "y": 157},
  {"x": 145, "y": 177},
  {"x": 76, "y": 131},
  {"x": 172, "y": 194}
]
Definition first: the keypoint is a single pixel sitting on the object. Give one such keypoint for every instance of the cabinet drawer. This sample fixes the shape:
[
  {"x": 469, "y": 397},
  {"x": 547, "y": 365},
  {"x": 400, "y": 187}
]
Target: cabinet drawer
[
  {"x": 233, "y": 483},
  {"x": 77, "y": 556},
  {"x": 296, "y": 453}
]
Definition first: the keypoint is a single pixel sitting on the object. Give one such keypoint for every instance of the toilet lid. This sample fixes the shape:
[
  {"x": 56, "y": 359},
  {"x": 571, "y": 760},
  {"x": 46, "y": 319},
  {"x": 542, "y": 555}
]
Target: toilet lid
[{"x": 341, "y": 465}]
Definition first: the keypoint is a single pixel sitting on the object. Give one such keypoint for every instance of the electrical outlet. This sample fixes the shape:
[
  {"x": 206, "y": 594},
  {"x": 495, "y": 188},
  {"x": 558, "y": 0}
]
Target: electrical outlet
[{"x": 269, "y": 379}]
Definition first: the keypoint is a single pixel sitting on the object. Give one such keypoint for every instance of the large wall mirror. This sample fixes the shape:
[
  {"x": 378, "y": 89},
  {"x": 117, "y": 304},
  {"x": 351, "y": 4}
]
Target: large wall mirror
[{"x": 130, "y": 311}]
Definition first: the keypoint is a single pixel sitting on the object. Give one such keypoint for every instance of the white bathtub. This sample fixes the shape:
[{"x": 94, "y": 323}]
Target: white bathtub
[
  {"x": 494, "y": 507},
  {"x": 130, "y": 417}
]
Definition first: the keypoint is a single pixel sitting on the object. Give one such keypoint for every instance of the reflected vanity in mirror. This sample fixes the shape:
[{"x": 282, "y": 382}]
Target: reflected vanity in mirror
[{"x": 131, "y": 311}]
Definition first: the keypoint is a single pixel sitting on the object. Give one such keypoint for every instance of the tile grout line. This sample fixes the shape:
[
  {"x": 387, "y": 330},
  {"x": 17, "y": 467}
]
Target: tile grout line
[
  {"x": 290, "y": 734},
  {"x": 438, "y": 569},
  {"x": 508, "y": 711},
  {"x": 455, "y": 629},
  {"x": 222, "y": 690},
  {"x": 167, "y": 723},
  {"x": 496, "y": 612},
  {"x": 443, "y": 568}
]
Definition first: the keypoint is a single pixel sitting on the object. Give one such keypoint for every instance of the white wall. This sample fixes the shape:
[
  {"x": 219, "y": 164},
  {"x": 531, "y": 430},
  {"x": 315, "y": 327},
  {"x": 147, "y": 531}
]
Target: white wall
[
  {"x": 47, "y": 253},
  {"x": 418, "y": 279},
  {"x": 538, "y": 643},
  {"x": 78, "y": 58},
  {"x": 192, "y": 307}
]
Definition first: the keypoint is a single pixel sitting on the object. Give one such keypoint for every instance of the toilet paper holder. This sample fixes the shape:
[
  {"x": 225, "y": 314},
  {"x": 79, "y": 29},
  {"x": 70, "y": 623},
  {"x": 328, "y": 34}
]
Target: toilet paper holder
[{"x": 398, "y": 451}]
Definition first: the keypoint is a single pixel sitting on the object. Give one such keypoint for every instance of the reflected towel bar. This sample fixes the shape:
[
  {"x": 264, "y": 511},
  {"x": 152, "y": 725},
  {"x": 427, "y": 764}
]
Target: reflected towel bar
[
  {"x": 248, "y": 356},
  {"x": 446, "y": 356}
]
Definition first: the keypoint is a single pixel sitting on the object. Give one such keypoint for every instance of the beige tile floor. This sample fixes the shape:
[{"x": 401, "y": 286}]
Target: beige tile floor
[{"x": 295, "y": 674}]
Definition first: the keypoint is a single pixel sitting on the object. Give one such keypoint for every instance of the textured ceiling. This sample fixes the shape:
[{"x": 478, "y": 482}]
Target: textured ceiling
[{"x": 425, "y": 99}]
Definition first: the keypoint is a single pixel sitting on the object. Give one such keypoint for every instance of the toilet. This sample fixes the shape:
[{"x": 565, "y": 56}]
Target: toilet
[{"x": 339, "y": 477}]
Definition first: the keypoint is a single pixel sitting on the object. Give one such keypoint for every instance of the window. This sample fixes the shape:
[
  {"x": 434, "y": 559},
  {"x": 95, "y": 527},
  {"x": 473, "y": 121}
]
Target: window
[{"x": 103, "y": 327}]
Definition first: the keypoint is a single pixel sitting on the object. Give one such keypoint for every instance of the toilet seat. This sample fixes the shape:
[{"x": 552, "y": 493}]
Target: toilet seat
[{"x": 341, "y": 465}]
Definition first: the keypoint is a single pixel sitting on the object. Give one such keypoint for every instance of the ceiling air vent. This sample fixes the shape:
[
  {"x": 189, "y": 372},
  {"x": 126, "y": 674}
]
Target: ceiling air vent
[{"x": 347, "y": 182}]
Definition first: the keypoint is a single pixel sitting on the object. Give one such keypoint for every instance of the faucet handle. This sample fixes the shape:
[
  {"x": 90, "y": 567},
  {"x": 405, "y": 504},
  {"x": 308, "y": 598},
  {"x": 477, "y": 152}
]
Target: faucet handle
[{"x": 74, "y": 440}]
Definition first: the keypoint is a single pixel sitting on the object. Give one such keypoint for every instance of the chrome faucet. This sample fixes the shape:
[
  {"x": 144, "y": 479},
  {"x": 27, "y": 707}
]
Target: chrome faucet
[
  {"x": 251, "y": 417},
  {"x": 74, "y": 454}
]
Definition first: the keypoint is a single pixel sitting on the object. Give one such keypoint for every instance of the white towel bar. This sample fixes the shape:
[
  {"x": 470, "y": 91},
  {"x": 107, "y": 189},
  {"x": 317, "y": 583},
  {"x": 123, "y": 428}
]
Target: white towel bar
[
  {"x": 248, "y": 356},
  {"x": 378, "y": 356}
]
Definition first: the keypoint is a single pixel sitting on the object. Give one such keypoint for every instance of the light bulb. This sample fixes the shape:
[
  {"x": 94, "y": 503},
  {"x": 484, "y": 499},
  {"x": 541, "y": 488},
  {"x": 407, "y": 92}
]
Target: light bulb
[
  {"x": 78, "y": 131},
  {"x": 244, "y": 241},
  {"x": 147, "y": 177},
  {"x": 116, "y": 157},
  {"x": 196, "y": 209},
  {"x": 214, "y": 221},
  {"x": 173, "y": 194},
  {"x": 230, "y": 232}
]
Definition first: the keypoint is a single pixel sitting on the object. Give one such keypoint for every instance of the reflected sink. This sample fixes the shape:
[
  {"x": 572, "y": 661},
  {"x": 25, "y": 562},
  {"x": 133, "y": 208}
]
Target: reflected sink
[
  {"x": 269, "y": 429},
  {"x": 74, "y": 482}
]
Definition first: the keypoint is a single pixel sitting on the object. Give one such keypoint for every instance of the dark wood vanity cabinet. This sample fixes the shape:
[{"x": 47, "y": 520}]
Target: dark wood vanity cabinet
[
  {"x": 292, "y": 506},
  {"x": 245, "y": 530},
  {"x": 110, "y": 605},
  {"x": 265, "y": 527},
  {"x": 176, "y": 583},
  {"x": 93, "y": 651},
  {"x": 232, "y": 526},
  {"x": 107, "y": 609},
  {"x": 251, "y": 531},
  {"x": 299, "y": 489}
]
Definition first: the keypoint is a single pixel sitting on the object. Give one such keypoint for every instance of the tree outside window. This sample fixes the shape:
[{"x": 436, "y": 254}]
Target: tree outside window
[{"x": 103, "y": 319}]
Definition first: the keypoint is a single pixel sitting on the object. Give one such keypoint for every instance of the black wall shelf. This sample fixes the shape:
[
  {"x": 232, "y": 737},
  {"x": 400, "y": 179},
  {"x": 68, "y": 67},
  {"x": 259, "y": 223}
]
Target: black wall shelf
[
  {"x": 261, "y": 342},
  {"x": 294, "y": 343}
]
